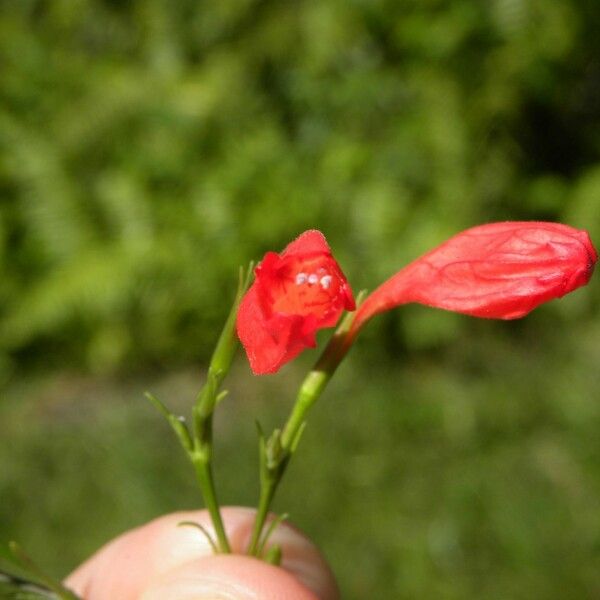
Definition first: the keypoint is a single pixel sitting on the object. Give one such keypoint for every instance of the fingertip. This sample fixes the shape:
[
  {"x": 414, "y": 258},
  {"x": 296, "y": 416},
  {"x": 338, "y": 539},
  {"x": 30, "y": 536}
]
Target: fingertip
[
  {"x": 227, "y": 577},
  {"x": 300, "y": 557},
  {"x": 138, "y": 559}
]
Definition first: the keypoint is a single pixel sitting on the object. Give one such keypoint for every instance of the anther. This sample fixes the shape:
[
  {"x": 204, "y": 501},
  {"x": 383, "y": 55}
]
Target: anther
[
  {"x": 326, "y": 281},
  {"x": 300, "y": 278},
  {"x": 312, "y": 278}
]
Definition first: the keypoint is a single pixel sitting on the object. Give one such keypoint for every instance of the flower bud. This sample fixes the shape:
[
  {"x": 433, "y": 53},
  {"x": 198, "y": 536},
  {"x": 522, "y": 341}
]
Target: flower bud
[{"x": 497, "y": 271}]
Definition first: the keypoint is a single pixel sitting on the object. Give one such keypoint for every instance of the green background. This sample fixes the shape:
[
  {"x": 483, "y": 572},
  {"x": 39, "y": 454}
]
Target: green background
[{"x": 148, "y": 148}]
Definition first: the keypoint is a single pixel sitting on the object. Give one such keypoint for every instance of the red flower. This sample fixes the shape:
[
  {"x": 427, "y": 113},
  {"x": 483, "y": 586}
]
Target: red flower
[
  {"x": 295, "y": 294},
  {"x": 498, "y": 271}
]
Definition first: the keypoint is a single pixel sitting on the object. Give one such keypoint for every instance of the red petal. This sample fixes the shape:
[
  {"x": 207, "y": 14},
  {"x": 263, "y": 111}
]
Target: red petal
[
  {"x": 498, "y": 271},
  {"x": 309, "y": 242},
  {"x": 269, "y": 343}
]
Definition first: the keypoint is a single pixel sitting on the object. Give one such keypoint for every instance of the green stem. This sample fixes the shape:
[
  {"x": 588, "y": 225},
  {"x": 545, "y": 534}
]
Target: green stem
[
  {"x": 204, "y": 475},
  {"x": 201, "y": 457},
  {"x": 315, "y": 382},
  {"x": 282, "y": 445},
  {"x": 197, "y": 443},
  {"x": 203, "y": 410},
  {"x": 267, "y": 492},
  {"x": 310, "y": 391}
]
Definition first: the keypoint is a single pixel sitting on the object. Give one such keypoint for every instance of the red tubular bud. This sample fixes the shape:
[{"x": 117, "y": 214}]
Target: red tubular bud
[{"x": 495, "y": 271}]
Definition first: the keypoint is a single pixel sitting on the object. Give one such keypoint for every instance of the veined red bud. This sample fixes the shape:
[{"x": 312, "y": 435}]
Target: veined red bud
[
  {"x": 295, "y": 294},
  {"x": 496, "y": 271}
]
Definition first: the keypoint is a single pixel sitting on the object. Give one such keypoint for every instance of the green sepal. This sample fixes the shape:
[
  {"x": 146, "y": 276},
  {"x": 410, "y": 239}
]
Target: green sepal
[
  {"x": 262, "y": 444},
  {"x": 260, "y": 430},
  {"x": 262, "y": 455},
  {"x": 273, "y": 453},
  {"x": 221, "y": 396},
  {"x": 297, "y": 437}
]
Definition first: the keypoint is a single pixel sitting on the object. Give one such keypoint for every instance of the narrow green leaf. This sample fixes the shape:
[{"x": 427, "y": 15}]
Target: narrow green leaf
[
  {"x": 273, "y": 525},
  {"x": 177, "y": 423},
  {"x": 27, "y": 564},
  {"x": 274, "y": 556},
  {"x": 158, "y": 404},
  {"x": 15, "y": 587},
  {"x": 211, "y": 541}
]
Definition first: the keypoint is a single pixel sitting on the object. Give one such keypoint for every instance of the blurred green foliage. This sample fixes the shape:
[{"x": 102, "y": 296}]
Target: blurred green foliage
[{"x": 148, "y": 148}]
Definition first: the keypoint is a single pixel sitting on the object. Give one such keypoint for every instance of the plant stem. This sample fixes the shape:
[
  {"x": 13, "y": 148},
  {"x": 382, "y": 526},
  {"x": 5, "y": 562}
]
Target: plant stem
[
  {"x": 315, "y": 382},
  {"x": 277, "y": 451},
  {"x": 310, "y": 391},
  {"x": 204, "y": 475},
  {"x": 201, "y": 453},
  {"x": 267, "y": 492},
  {"x": 197, "y": 443}
]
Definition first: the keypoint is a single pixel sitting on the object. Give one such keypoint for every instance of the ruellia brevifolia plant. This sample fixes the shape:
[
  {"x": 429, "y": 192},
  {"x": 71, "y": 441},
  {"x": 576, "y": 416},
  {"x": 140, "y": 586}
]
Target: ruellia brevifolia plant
[{"x": 495, "y": 271}]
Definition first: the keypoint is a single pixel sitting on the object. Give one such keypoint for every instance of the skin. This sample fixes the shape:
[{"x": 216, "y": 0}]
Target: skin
[{"x": 161, "y": 560}]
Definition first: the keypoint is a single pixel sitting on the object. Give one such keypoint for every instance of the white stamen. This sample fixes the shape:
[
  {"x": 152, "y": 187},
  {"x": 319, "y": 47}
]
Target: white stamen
[
  {"x": 326, "y": 281},
  {"x": 312, "y": 278},
  {"x": 301, "y": 278}
]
